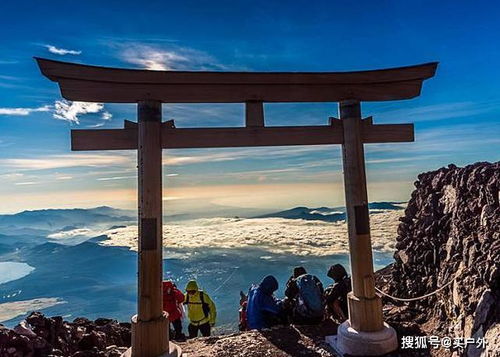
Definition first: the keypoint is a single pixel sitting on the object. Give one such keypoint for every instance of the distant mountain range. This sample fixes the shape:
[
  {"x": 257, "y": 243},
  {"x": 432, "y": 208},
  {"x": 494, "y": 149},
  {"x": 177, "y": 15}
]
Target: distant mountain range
[
  {"x": 98, "y": 280},
  {"x": 42, "y": 222},
  {"x": 28, "y": 226},
  {"x": 327, "y": 214}
]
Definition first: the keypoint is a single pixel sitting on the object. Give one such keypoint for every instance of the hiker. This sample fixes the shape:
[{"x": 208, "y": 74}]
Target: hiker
[
  {"x": 201, "y": 310},
  {"x": 291, "y": 286},
  {"x": 304, "y": 298},
  {"x": 263, "y": 309},
  {"x": 336, "y": 294},
  {"x": 243, "y": 323},
  {"x": 172, "y": 304}
]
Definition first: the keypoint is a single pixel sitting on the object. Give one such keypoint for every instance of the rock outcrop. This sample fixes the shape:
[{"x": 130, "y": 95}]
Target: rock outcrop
[
  {"x": 42, "y": 336},
  {"x": 451, "y": 232}
]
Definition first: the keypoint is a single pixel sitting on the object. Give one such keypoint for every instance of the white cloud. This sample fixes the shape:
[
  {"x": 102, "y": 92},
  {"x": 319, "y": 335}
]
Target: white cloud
[
  {"x": 64, "y": 110},
  {"x": 106, "y": 115},
  {"x": 70, "y": 111},
  {"x": 23, "y": 111},
  {"x": 72, "y": 233},
  {"x": 62, "y": 51},
  {"x": 172, "y": 58}
]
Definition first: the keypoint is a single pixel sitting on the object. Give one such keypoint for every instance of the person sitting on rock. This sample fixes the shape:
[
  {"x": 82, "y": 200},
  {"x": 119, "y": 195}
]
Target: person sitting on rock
[
  {"x": 336, "y": 294},
  {"x": 172, "y": 304},
  {"x": 304, "y": 298},
  {"x": 291, "y": 286},
  {"x": 263, "y": 309},
  {"x": 201, "y": 310},
  {"x": 243, "y": 323}
]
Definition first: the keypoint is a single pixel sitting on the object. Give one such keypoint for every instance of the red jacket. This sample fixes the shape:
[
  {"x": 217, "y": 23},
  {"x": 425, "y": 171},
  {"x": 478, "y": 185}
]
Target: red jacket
[{"x": 172, "y": 303}]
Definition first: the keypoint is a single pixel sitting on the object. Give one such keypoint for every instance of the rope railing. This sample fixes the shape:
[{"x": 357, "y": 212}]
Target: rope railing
[{"x": 419, "y": 297}]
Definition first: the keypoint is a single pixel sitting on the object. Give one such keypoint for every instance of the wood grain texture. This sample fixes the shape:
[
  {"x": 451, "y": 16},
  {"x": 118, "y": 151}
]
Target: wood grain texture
[
  {"x": 58, "y": 69},
  {"x": 150, "y": 305},
  {"x": 181, "y": 138},
  {"x": 240, "y": 137},
  {"x": 150, "y": 338},
  {"x": 91, "y": 91},
  {"x": 103, "y": 139},
  {"x": 101, "y": 84},
  {"x": 387, "y": 133},
  {"x": 364, "y": 316}
]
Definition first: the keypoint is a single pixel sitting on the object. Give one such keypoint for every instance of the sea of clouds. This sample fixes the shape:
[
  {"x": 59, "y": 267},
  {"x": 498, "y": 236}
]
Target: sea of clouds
[{"x": 276, "y": 235}]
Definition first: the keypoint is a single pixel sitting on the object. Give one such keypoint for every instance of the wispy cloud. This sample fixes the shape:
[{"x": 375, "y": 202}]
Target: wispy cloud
[
  {"x": 106, "y": 115},
  {"x": 440, "y": 111},
  {"x": 115, "y": 178},
  {"x": 24, "y": 111},
  {"x": 219, "y": 155},
  {"x": 98, "y": 125},
  {"x": 70, "y": 111},
  {"x": 8, "y": 62},
  {"x": 66, "y": 161},
  {"x": 62, "y": 51},
  {"x": 153, "y": 57},
  {"x": 9, "y": 78}
]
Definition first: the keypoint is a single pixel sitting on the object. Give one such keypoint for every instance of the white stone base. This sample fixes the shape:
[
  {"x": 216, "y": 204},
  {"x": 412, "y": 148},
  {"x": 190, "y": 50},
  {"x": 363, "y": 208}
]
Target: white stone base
[
  {"x": 348, "y": 341},
  {"x": 174, "y": 351}
]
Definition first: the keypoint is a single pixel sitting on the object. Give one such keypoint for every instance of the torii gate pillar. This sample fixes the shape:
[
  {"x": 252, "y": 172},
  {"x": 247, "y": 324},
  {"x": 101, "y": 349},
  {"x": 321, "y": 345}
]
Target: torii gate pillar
[
  {"x": 365, "y": 332},
  {"x": 150, "y": 327}
]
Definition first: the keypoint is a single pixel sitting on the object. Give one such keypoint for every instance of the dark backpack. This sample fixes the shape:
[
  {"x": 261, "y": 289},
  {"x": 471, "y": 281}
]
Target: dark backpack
[
  {"x": 338, "y": 291},
  {"x": 205, "y": 307},
  {"x": 310, "y": 297}
]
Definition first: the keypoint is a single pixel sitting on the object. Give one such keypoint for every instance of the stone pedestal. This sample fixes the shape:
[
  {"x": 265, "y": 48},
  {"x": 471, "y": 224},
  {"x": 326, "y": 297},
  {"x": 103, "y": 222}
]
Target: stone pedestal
[
  {"x": 352, "y": 342},
  {"x": 174, "y": 351}
]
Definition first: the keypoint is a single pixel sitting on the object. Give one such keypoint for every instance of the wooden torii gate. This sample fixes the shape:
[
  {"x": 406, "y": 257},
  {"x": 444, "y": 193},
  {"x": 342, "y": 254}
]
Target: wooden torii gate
[{"x": 362, "y": 333}]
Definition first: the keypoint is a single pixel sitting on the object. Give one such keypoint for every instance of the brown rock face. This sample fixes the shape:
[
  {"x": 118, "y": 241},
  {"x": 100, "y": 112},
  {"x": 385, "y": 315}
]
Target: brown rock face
[
  {"x": 451, "y": 230},
  {"x": 43, "y": 336}
]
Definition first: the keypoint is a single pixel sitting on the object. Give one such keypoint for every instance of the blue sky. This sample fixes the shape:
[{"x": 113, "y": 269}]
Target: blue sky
[{"x": 456, "y": 117}]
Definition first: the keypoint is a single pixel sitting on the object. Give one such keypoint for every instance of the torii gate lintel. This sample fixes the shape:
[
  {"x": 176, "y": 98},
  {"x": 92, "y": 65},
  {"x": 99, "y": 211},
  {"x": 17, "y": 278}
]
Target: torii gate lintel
[
  {"x": 182, "y": 138},
  {"x": 149, "y": 89}
]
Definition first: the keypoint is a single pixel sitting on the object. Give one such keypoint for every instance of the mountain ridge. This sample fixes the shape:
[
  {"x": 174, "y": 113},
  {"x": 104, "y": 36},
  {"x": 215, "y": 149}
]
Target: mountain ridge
[{"x": 328, "y": 214}]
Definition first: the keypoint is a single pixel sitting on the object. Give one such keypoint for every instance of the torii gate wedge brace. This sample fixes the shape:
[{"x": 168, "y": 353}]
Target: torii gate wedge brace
[{"x": 149, "y": 89}]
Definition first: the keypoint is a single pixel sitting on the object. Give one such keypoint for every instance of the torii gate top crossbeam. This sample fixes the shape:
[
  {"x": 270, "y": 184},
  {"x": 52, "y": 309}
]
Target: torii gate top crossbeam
[{"x": 114, "y": 85}]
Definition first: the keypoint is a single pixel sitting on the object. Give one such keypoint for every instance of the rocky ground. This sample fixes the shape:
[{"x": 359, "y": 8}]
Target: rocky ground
[
  {"x": 450, "y": 232},
  {"x": 42, "y": 336}
]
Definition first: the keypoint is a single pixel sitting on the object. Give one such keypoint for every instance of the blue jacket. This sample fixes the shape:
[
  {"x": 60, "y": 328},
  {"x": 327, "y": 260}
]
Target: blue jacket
[{"x": 262, "y": 304}]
